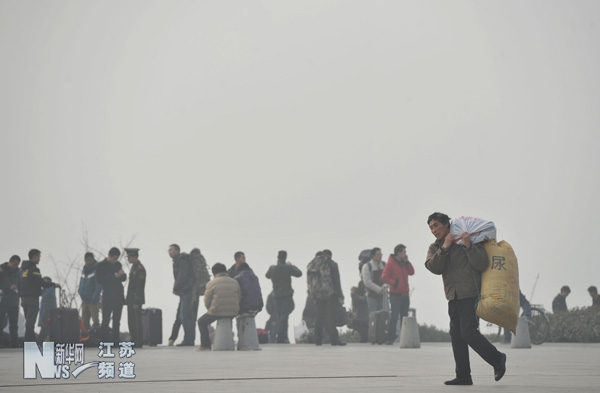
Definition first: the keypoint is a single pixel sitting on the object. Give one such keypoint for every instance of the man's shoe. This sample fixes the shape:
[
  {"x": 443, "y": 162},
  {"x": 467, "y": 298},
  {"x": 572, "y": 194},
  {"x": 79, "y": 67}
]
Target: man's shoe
[
  {"x": 501, "y": 369},
  {"x": 459, "y": 381},
  {"x": 201, "y": 348},
  {"x": 184, "y": 345},
  {"x": 339, "y": 344},
  {"x": 171, "y": 342}
]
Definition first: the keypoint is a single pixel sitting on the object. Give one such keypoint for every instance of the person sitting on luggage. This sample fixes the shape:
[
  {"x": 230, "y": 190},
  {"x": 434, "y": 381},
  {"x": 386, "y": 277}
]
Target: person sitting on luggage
[
  {"x": 30, "y": 290},
  {"x": 361, "y": 311},
  {"x": 371, "y": 277},
  {"x": 222, "y": 300}
]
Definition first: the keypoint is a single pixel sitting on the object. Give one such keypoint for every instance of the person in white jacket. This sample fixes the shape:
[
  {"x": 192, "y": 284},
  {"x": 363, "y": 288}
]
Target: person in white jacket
[{"x": 371, "y": 276}]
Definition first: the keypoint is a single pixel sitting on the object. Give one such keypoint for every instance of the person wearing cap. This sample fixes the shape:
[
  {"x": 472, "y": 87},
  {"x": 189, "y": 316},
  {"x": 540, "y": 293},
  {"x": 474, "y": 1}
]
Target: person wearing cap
[
  {"x": 593, "y": 291},
  {"x": 559, "y": 303},
  {"x": 9, "y": 305},
  {"x": 281, "y": 275},
  {"x": 110, "y": 276},
  {"x": 30, "y": 290},
  {"x": 89, "y": 291},
  {"x": 135, "y": 296}
]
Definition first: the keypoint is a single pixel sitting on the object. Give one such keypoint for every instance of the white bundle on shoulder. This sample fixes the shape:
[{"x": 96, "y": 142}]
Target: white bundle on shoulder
[{"x": 480, "y": 230}]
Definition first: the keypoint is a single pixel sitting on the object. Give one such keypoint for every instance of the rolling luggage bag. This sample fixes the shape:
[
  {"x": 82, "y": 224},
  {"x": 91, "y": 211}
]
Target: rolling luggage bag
[
  {"x": 152, "y": 326},
  {"x": 378, "y": 327},
  {"x": 64, "y": 324}
]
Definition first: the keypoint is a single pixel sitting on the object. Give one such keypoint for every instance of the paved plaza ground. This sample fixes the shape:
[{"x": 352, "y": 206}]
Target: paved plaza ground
[{"x": 354, "y": 368}]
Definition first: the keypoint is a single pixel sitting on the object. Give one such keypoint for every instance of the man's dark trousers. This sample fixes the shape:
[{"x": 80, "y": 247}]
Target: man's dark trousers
[
  {"x": 283, "y": 307},
  {"x": 13, "y": 318},
  {"x": 31, "y": 308},
  {"x": 464, "y": 333},
  {"x": 115, "y": 310},
  {"x": 325, "y": 311},
  {"x": 134, "y": 319},
  {"x": 399, "y": 305},
  {"x": 203, "y": 323}
]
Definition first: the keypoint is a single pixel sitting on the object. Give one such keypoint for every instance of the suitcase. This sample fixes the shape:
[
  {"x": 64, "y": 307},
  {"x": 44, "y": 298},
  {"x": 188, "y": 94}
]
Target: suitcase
[
  {"x": 378, "y": 327},
  {"x": 152, "y": 326},
  {"x": 64, "y": 324}
]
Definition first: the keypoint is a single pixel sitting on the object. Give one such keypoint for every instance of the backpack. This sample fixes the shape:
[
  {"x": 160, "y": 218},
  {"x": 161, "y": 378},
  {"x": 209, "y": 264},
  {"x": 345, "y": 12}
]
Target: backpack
[
  {"x": 200, "y": 269},
  {"x": 363, "y": 257},
  {"x": 318, "y": 274}
]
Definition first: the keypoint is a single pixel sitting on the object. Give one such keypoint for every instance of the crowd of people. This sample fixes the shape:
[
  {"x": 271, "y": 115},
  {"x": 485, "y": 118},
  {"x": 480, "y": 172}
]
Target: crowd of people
[{"x": 236, "y": 292}]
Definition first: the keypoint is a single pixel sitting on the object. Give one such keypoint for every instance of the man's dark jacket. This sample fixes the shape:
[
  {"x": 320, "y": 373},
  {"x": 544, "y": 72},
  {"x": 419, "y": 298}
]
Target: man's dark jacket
[
  {"x": 281, "y": 275},
  {"x": 112, "y": 289},
  {"x": 31, "y": 281}
]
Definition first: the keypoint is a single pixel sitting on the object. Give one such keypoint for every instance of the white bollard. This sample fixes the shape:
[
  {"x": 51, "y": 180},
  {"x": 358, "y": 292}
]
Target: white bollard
[
  {"x": 224, "y": 335},
  {"x": 247, "y": 335},
  {"x": 409, "y": 336},
  {"x": 521, "y": 339}
]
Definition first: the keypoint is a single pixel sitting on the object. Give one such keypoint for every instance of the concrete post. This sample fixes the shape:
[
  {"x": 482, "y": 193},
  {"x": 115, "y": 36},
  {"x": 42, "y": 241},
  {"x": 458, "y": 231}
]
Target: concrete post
[
  {"x": 409, "y": 336},
  {"x": 247, "y": 335},
  {"x": 521, "y": 339},
  {"x": 224, "y": 335}
]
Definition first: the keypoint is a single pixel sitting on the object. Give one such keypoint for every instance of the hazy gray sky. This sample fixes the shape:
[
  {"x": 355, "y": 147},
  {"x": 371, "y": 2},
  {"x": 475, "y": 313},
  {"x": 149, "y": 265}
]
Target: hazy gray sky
[{"x": 266, "y": 125}]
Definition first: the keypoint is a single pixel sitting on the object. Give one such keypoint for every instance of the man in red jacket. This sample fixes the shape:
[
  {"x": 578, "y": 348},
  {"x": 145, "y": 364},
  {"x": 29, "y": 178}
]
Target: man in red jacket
[{"x": 395, "y": 274}]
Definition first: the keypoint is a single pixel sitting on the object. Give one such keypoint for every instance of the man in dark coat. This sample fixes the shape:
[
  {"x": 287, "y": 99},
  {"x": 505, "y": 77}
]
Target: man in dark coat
[
  {"x": 135, "y": 296},
  {"x": 252, "y": 301},
  {"x": 560, "y": 301},
  {"x": 183, "y": 287},
  {"x": 9, "y": 305},
  {"x": 30, "y": 290},
  {"x": 281, "y": 275},
  {"x": 110, "y": 275},
  {"x": 461, "y": 267}
]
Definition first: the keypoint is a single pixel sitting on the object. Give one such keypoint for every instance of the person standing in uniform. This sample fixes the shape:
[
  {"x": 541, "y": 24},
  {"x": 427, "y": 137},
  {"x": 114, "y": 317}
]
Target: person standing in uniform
[
  {"x": 461, "y": 267},
  {"x": 135, "y": 296},
  {"x": 110, "y": 275}
]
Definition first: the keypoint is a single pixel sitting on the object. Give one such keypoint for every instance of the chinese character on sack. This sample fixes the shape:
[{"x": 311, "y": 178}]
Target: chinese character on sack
[
  {"x": 69, "y": 353},
  {"x": 59, "y": 354},
  {"x": 106, "y": 370},
  {"x": 126, "y": 370},
  {"x": 79, "y": 353},
  {"x": 106, "y": 353},
  {"x": 498, "y": 263},
  {"x": 126, "y": 349}
]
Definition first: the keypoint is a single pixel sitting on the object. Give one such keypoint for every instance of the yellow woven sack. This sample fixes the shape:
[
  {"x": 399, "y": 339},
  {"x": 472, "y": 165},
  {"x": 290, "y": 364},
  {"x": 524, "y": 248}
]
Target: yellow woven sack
[{"x": 499, "y": 302}]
